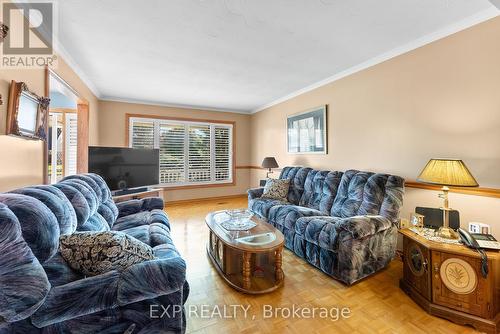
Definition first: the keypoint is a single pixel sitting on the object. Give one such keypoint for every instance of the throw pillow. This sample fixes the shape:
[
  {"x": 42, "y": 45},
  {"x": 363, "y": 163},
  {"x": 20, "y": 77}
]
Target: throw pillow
[
  {"x": 95, "y": 253},
  {"x": 276, "y": 189}
]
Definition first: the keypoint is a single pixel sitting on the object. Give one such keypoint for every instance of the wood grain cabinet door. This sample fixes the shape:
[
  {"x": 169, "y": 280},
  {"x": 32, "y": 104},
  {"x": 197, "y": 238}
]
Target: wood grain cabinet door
[
  {"x": 457, "y": 283},
  {"x": 416, "y": 267}
]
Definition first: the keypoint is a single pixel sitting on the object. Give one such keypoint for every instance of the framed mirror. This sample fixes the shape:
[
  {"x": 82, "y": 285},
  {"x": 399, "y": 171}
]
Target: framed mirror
[{"x": 26, "y": 112}]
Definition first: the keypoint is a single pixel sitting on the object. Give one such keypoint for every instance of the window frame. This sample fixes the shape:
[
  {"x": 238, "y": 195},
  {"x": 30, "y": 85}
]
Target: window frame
[{"x": 129, "y": 118}]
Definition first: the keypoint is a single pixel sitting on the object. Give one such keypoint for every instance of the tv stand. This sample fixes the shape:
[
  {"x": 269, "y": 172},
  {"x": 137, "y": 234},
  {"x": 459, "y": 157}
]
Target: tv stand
[
  {"x": 130, "y": 191},
  {"x": 146, "y": 192}
]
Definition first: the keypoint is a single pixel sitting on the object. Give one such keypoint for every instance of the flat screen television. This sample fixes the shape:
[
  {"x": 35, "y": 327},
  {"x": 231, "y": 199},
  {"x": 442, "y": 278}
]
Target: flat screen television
[{"x": 125, "y": 168}]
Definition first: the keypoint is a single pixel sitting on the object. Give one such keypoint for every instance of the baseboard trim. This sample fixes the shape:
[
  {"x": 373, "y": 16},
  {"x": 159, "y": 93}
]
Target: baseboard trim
[{"x": 205, "y": 199}]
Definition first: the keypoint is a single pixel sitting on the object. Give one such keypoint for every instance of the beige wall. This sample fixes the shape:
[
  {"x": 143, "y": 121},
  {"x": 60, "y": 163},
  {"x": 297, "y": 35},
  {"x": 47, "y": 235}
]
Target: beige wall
[
  {"x": 22, "y": 160},
  {"x": 441, "y": 100},
  {"x": 112, "y": 125}
]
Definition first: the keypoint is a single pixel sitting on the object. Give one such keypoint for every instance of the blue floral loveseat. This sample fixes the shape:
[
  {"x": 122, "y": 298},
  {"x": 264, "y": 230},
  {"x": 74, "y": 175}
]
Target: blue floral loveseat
[
  {"x": 342, "y": 223},
  {"x": 40, "y": 293}
]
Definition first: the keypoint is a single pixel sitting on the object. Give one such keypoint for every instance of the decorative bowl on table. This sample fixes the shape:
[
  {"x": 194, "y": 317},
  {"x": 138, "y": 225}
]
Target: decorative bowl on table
[
  {"x": 239, "y": 220},
  {"x": 239, "y": 214}
]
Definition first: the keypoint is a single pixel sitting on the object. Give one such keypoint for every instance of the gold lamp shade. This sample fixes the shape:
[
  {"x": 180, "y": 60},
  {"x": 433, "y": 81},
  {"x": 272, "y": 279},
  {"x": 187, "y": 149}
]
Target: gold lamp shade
[{"x": 447, "y": 172}]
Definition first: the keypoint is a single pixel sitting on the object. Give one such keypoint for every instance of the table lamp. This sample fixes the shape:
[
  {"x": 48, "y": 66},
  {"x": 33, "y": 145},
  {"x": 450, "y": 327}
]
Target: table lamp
[
  {"x": 269, "y": 163},
  {"x": 447, "y": 172}
]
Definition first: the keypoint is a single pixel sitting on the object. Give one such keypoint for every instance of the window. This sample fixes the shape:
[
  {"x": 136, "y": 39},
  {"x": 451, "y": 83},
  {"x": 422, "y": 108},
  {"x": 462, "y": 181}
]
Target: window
[
  {"x": 190, "y": 152},
  {"x": 62, "y": 144}
]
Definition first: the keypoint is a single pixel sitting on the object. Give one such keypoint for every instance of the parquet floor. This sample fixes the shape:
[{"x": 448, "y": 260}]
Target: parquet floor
[{"x": 377, "y": 305}]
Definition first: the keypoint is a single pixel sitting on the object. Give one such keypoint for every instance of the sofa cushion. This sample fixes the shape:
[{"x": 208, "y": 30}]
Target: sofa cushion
[
  {"x": 320, "y": 189},
  {"x": 59, "y": 272},
  {"x": 95, "y": 223},
  {"x": 276, "y": 189},
  {"x": 134, "y": 206},
  {"x": 78, "y": 202},
  {"x": 365, "y": 193},
  {"x": 321, "y": 231},
  {"x": 297, "y": 177},
  {"x": 261, "y": 206},
  {"x": 23, "y": 283},
  {"x": 87, "y": 192},
  {"x": 108, "y": 211},
  {"x": 57, "y": 202},
  {"x": 152, "y": 235},
  {"x": 38, "y": 224},
  {"x": 100, "y": 195},
  {"x": 140, "y": 219},
  {"x": 166, "y": 251},
  {"x": 325, "y": 231},
  {"x": 105, "y": 204},
  {"x": 287, "y": 215},
  {"x": 96, "y": 253}
]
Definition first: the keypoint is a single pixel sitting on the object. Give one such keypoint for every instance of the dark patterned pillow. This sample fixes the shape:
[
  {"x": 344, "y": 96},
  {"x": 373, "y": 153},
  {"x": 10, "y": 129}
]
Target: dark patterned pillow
[
  {"x": 95, "y": 253},
  {"x": 276, "y": 189}
]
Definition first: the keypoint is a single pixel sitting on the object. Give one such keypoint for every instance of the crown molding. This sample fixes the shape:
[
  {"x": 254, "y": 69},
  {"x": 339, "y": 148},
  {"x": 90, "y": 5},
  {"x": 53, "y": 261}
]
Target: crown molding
[
  {"x": 495, "y": 3},
  {"x": 468, "y": 22},
  {"x": 427, "y": 39},
  {"x": 61, "y": 52},
  {"x": 170, "y": 105}
]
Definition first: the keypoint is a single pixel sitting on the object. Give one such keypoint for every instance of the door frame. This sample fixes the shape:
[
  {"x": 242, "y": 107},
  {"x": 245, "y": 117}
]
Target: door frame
[{"x": 82, "y": 127}]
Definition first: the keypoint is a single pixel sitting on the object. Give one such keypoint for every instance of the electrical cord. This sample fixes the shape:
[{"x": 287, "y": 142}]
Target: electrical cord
[{"x": 484, "y": 262}]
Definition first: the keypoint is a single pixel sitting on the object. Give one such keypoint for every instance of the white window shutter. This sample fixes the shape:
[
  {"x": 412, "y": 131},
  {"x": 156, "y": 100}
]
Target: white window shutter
[
  {"x": 71, "y": 144},
  {"x": 190, "y": 152},
  {"x": 142, "y": 134},
  {"x": 223, "y": 148},
  {"x": 172, "y": 153},
  {"x": 199, "y": 169}
]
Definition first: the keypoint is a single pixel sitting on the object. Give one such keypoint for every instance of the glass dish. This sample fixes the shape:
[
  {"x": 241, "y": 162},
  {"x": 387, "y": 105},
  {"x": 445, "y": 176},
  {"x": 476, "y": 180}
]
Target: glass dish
[{"x": 239, "y": 215}]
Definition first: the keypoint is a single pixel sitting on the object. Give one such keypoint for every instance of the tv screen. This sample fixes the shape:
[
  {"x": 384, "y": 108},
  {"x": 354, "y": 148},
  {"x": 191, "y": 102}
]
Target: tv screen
[{"x": 125, "y": 168}]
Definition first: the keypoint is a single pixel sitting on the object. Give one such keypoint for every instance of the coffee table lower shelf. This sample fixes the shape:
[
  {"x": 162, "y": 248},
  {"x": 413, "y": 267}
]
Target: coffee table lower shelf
[{"x": 248, "y": 272}]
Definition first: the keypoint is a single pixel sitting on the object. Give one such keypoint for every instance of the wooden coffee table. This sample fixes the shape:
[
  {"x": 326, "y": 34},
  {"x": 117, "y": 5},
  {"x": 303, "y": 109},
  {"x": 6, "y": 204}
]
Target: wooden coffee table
[{"x": 249, "y": 261}]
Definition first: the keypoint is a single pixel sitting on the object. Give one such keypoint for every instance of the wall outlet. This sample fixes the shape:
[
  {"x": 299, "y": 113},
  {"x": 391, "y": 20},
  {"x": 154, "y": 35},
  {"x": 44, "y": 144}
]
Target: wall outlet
[{"x": 404, "y": 223}]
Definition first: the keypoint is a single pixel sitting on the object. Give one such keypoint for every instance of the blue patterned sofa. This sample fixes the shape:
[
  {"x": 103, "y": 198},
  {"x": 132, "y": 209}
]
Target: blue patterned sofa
[
  {"x": 40, "y": 293},
  {"x": 342, "y": 223}
]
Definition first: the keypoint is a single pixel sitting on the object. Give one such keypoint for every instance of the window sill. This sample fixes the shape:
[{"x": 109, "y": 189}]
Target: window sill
[{"x": 197, "y": 186}]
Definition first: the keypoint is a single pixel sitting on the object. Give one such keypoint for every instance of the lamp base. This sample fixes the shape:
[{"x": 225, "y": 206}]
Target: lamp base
[
  {"x": 269, "y": 172},
  {"x": 446, "y": 233}
]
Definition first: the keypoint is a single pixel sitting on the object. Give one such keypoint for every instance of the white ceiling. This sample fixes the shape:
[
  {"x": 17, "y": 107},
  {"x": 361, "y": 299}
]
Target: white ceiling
[{"x": 243, "y": 55}]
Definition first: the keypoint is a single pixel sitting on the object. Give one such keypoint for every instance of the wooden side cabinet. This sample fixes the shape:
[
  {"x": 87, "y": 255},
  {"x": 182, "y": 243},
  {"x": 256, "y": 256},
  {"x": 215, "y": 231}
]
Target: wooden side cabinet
[{"x": 446, "y": 281}]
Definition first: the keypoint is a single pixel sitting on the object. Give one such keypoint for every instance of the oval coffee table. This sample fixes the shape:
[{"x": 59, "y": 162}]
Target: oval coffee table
[{"x": 249, "y": 261}]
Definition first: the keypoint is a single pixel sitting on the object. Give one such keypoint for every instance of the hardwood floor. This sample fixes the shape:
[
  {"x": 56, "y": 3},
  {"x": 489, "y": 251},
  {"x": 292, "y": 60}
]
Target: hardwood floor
[{"x": 377, "y": 305}]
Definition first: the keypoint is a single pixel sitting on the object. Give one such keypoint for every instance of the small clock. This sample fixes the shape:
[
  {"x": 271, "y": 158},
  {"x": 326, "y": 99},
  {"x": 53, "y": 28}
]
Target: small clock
[{"x": 417, "y": 220}]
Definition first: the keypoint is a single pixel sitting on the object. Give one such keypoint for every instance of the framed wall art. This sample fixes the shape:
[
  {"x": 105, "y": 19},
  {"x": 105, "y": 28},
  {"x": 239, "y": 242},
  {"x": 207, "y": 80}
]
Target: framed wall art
[{"x": 307, "y": 131}]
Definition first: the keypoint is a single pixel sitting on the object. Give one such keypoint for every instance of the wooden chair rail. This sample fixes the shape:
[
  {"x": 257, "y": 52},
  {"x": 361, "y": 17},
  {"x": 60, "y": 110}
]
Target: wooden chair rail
[{"x": 479, "y": 191}]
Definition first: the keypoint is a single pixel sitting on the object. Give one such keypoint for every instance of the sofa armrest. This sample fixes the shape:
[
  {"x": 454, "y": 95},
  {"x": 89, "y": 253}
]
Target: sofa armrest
[
  {"x": 139, "y": 282},
  {"x": 151, "y": 279},
  {"x": 78, "y": 298},
  {"x": 255, "y": 193},
  {"x": 138, "y": 205},
  {"x": 364, "y": 226}
]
